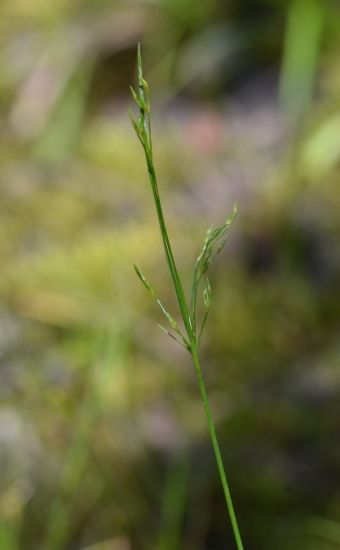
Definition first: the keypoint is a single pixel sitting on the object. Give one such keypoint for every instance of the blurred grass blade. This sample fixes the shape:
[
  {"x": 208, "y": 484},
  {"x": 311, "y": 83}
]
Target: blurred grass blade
[
  {"x": 325, "y": 528},
  {"x": 7, "y": 538},
  {"x": 306, "y": 20},
  {"x": 173, "y": 506},
  {"x": 321, "y": 151},
  {"x": 63, "y": 127},
  {"x": 206, "y": 50}
]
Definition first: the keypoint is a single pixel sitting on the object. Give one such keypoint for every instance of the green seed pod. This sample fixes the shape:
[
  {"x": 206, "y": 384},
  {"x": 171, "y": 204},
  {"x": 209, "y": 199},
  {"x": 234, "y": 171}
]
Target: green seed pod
[
  {"x": 145, "y": 84},
  {"x": 207, "y": 293},
  {"x": 143, "y": 105}
]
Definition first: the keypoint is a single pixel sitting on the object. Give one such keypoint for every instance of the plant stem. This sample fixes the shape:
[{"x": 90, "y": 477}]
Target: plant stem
[
  {"x": 167, "y": 246},
  {"x": 202, "y": 264},
  {"x": 217, "y": 450}
]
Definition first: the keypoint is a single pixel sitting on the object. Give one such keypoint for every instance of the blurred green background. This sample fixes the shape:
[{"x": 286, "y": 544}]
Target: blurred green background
[{"x": 103, "y": 439}]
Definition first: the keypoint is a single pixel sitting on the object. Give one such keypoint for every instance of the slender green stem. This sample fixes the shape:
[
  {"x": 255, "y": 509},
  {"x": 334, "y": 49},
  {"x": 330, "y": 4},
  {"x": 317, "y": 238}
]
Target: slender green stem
[
  {"x": 193, "y": 300},
  {"x": 202, "y": 264},
  {"x": 168, "y": 251},
  {"x": 217, "y": 451}
]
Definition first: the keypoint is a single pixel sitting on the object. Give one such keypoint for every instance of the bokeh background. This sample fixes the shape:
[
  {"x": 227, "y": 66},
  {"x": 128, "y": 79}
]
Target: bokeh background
[{"x": 103, "y": 439}]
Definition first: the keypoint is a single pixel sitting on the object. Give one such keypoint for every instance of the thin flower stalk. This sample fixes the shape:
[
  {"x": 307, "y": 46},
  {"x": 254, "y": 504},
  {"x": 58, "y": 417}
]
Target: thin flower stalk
[{"x": 212, "y": 246}]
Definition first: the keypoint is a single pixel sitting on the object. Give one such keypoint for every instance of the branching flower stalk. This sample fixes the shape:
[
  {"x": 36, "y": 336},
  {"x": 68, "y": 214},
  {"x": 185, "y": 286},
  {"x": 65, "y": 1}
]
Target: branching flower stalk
[{"x": 213, "y": 244}]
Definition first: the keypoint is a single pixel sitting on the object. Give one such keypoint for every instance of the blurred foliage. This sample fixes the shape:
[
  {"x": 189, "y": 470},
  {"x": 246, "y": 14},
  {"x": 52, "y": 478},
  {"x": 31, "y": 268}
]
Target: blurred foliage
[{"x": 104, "y": 444}]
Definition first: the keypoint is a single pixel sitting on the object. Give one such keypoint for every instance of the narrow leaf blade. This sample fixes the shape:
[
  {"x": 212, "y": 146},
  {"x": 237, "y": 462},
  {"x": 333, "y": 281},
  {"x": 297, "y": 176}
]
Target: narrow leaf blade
[{"x": 187, "y": 347}]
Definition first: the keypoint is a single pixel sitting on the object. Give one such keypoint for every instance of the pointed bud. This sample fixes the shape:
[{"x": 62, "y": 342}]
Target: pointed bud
[
  {"x": 134, "y": 95},
  {"x": 232, "y": 216},
  {"x": 144, "y": 281},
  {"x": 172, "y": 321},
  {"x": 145, "y": 84},
  {"x": 134, "y": 123}
]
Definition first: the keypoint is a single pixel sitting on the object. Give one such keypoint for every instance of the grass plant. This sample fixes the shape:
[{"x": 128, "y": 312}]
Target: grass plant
[{"x": 213, "y": 245}]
